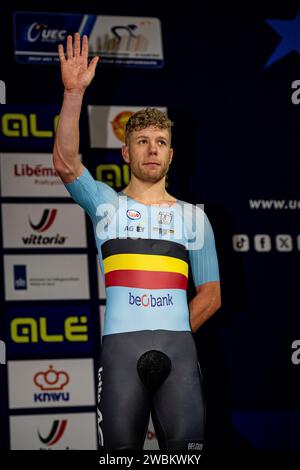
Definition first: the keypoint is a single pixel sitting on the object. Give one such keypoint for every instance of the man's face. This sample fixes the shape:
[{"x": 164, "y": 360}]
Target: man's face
[{"x": 148, "y": 153}]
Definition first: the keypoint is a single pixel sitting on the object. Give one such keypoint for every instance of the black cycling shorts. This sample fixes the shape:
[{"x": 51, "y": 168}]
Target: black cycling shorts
[{"x": 125, "y": 402}]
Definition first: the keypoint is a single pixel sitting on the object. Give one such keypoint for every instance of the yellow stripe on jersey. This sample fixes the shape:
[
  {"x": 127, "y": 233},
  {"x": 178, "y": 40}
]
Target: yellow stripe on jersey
[{"x": 145, "y": 263}]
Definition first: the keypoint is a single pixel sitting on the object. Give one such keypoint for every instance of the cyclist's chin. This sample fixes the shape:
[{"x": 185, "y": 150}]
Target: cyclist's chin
[{"x": 150, "y": 175}]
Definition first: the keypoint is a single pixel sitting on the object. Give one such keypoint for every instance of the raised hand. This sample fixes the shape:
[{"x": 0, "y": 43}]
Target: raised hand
[{"x": 76, "y": 73}]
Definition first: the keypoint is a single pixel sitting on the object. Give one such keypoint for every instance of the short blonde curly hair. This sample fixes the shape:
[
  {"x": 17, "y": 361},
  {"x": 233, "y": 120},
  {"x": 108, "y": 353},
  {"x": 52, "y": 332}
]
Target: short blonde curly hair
[{"x": 145, "y": 118}]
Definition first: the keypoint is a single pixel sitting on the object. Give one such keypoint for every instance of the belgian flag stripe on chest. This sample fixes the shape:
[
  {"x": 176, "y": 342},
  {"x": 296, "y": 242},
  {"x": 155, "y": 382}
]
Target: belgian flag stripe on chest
[{"x": 145, "y": 263}]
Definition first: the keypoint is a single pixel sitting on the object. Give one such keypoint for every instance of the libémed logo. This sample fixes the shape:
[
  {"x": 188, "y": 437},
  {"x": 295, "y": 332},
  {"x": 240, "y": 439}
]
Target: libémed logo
[
  {"x": 33, "y": 171},
  {"x": 147, "y": 300},
  {"x": 56, "y": 432},
  {"x": 51, "y": 383}
]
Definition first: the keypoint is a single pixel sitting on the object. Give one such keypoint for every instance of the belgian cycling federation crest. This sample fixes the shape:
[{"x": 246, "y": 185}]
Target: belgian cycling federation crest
[{"x": 165, "y": 217}]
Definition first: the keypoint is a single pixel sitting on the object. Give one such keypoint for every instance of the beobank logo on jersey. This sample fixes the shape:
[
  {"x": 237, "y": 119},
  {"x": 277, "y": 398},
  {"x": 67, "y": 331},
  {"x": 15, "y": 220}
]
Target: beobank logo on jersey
[{"x": 146, "y": 300}]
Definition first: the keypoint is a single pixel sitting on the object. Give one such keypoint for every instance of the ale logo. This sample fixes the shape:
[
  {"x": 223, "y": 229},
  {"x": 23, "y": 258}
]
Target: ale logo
[
  {"x": 46, "y": 220},
  {"x": 57, "y": 430}
]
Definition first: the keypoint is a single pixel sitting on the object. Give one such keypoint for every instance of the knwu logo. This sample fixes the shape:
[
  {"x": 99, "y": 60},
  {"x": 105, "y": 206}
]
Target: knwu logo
[
  {"x": 57, "y": 430},
  {"x": 51, "y": 382},
  {"x": 147, "y": 300}
]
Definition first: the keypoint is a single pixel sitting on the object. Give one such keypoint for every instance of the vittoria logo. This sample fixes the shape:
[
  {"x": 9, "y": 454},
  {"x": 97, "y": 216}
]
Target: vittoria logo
[
  {"x": 56, "y": 432},
  {"x": 46, "y": 220}
]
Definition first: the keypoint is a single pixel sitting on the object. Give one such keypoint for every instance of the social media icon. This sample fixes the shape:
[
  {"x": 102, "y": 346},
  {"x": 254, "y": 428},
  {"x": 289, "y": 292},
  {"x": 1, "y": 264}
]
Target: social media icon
[
  {"x": 262, "y": 242},
  {"x": 240, "y": 242},
  {"x": 284, "y": 242}
]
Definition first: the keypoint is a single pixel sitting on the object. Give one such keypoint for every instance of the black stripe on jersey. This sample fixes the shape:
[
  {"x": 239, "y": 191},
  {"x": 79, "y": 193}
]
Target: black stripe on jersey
[{"x": 144, "y": 246}]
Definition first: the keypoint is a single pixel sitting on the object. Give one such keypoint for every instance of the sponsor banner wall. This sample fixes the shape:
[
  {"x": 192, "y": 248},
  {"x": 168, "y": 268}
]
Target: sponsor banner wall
[
  {"x": 46, "y": 277},
  {"x": 60, "y": 431},
  {"x": 51, "y": 383},
  {"x": 43, "y": 226}
]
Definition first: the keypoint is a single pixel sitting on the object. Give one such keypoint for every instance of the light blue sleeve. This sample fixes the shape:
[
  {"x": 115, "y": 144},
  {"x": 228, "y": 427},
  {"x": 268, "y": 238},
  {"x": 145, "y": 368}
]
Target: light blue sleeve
[
  {"x": 204, "y": 261},
  {"x": 89, "y": 193}
]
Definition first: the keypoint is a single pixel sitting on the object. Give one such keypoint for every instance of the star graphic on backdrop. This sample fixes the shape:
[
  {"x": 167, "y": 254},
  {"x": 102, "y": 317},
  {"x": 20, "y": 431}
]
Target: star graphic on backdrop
[{"x": 289, "y": 31}]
